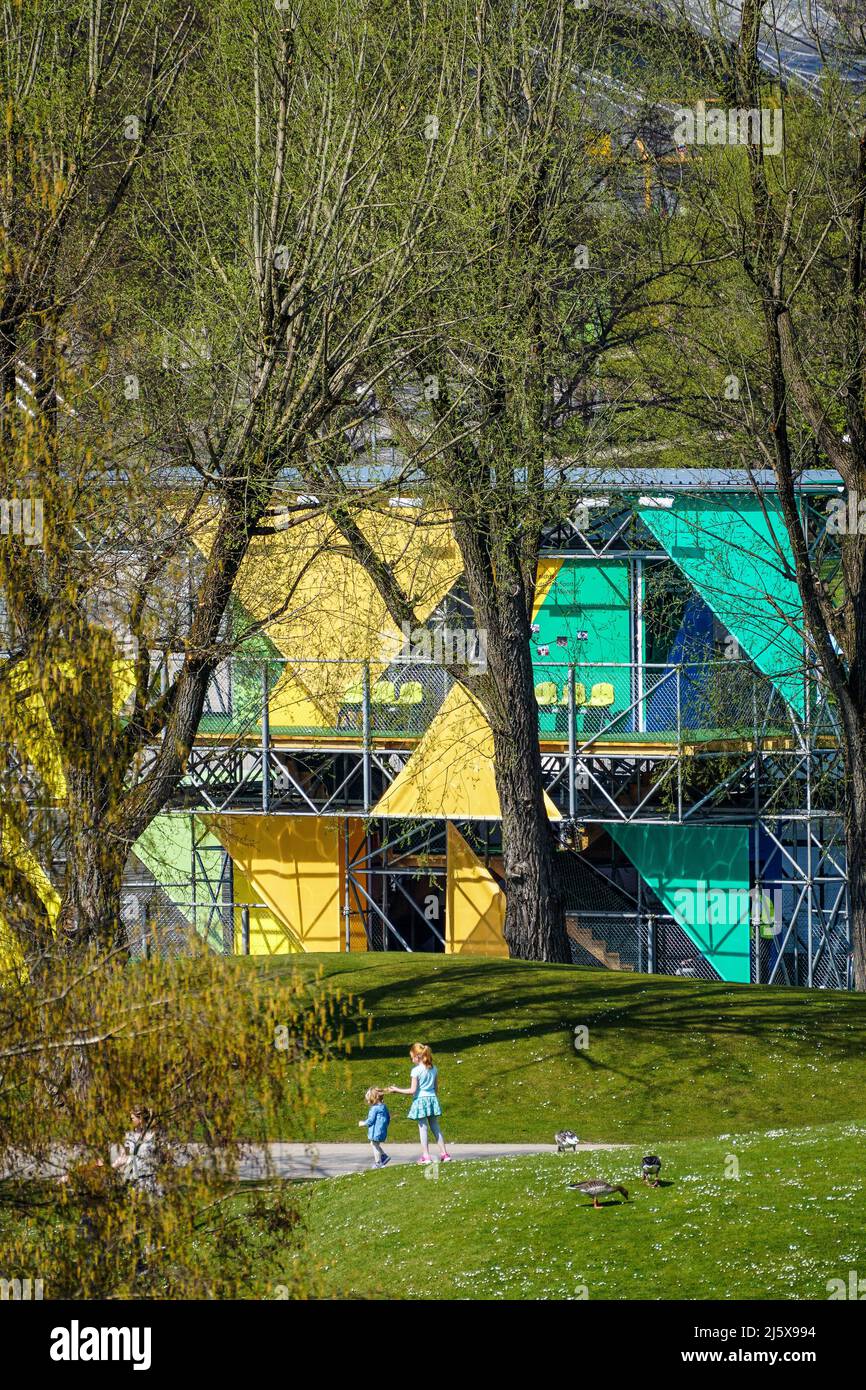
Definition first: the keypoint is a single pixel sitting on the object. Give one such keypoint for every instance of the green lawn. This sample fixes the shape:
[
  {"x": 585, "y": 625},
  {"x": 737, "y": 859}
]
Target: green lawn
[
  {"x": 755, "y": 1099},
  {"x": 667, "y": 1058},
  {"x": 709, "y": 1076},
  {"x": 509, "y": 1228}
]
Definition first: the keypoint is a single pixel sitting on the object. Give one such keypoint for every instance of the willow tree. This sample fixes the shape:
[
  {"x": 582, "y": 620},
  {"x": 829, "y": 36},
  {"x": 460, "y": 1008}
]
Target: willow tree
[
  {"x": 191, "y": 1062},
  {"x": 189, "y": 288},
  {"x": 805, "y": 255}
]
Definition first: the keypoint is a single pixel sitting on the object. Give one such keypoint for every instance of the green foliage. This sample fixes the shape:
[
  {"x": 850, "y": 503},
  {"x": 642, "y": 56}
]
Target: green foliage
[{"x": 188, "y": 1058}]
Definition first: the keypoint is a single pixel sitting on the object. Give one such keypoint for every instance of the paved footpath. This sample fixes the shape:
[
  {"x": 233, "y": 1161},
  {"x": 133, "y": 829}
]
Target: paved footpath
[
  {"x": 335, "y": 1160},
  {"x": 313, "y": 1160}
]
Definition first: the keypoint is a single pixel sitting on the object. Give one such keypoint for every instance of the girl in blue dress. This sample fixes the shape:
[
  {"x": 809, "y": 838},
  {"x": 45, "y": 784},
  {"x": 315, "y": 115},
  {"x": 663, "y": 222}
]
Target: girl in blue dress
[
  {"x": 377, "y": 1122},
  {"x": 425, "y": 1107}
]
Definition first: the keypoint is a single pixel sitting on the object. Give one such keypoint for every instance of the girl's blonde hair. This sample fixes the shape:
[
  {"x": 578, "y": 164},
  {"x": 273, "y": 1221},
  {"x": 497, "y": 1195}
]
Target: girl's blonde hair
[
  {"x": 420, "y": 1052},
  {"x": 374, "y": 1095}
]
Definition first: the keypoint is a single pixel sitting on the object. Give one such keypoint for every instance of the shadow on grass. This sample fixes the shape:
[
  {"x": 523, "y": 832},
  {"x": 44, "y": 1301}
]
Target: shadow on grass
[{"x": 416, "y": 999}]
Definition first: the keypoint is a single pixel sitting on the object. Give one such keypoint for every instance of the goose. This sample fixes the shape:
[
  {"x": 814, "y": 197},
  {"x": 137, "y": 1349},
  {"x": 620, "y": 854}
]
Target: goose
[
  {"x": 650, "y": 1168},
  {"x": 565, "y": 1139},
  {"x": 595, "y": 1188}
]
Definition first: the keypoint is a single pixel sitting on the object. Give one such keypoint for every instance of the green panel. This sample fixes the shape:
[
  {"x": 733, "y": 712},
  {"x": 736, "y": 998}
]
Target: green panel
[
  {"x": 701, "y": 874},
  {"x": 591, "y": 597},
  {"x": 736, "y": 556},
  {"x": 246, "y": 678},
  {"x": 165, "y": 849}
]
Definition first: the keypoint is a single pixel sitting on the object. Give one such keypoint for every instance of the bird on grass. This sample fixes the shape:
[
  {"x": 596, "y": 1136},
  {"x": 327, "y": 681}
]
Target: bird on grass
[
  {"x": 650, "y": 1168},
  {"x": 565, "y": 1139},
  {"x": 595, "y": 1188}
]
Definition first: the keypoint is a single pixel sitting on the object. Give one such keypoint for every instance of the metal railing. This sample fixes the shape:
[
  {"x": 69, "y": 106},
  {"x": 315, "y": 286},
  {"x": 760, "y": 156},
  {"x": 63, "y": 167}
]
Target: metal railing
[
  {"x": 356, "y": 701},
  {"x": 280, "y": 721},
  {"x": 165, "y": 921}
]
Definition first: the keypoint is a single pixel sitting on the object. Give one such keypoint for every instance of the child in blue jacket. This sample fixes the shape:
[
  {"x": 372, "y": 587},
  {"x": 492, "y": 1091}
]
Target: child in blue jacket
[{"x": 377, "y": 1122}]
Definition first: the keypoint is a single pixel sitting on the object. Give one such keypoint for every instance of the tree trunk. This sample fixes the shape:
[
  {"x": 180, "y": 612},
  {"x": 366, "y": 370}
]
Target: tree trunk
[
  {"x": 855, "y": 845},
  {"x": 90, "y": 911},
  {"x": 534, "y": 918},
  {"x": 534, "y": 921},
  {"x": 534, "y": 924}
]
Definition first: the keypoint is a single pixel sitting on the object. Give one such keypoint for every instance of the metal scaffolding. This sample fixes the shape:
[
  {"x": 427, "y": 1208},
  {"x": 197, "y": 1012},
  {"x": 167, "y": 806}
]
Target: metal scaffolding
[
  {"x": 758, "y": 764},
  {"x": 703, "y": 743}
]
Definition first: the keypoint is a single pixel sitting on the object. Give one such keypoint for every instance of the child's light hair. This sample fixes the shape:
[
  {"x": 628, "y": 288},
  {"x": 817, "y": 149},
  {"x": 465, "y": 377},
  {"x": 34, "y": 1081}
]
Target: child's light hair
[
  {"x": 420, "y": 1052},
  {"x": 374, "y": 1096}
]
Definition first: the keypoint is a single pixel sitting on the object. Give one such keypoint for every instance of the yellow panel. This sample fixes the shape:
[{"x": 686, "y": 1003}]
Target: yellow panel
[
  {"x": 268, "y": 935},
  {"x": 122, "y": 681},
  {"x": 357, "y": 932},
  {"x": 475, "y": 904},
  {"x": 451, "y": 773},
  {"x": 333, "y": 610},
  {"x": 292, "y": 863},
  {"x": 21, "y": 857},
  {"x": 11, "y": 955},
  {"x": 38, "y": 746},
  {"x": 35, "y": 736},
  {"x": 545, "y": 575},
  {"x": 291, "y": 705}
]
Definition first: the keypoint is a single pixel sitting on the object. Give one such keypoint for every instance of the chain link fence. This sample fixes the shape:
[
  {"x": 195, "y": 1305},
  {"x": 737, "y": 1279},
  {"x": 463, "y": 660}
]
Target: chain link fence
[
  {"x": 156, "y": 925},
  {"x": 253, "y": 699}
]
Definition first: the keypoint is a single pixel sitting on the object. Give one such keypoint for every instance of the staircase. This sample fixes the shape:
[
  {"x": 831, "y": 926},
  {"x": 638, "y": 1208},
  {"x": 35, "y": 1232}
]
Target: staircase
[{"x": 583, "y": 937}]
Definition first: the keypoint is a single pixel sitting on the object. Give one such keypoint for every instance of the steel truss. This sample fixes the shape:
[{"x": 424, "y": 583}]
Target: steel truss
[
  {"x": 641, "y": 761},
  {"x": 806, "y": 883},
  {"x": 804, "y": 942},
  {"x": 800, "y": 937},
  {"x": 390, "y": 860}
]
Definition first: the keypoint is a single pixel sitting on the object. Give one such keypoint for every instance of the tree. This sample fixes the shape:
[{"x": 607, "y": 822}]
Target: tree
[
  {"x": 192, "y": 309},
  {"x": 193, "y": 1063},
  {"x": 781, "y": 318},
  {"x": 535, "y": 276}
]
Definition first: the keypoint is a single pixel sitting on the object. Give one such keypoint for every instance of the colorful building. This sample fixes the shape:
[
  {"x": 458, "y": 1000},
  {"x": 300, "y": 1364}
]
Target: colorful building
[{"x": 341, "y": 794}]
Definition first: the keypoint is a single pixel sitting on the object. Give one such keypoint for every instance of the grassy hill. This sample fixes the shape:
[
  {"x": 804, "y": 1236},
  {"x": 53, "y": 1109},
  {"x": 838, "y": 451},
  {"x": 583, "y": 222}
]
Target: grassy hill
[
  {"x": 667, "y": 1058},
  {"x": 509, "y": 1228},
  {"x": 755, "y": 1098}
]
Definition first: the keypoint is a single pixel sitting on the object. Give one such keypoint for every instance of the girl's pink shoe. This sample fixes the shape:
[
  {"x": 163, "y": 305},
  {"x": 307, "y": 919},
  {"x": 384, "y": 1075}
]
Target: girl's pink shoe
[
  {"x": 446, "y": 1158},
  {"x": 424, "y": 1161}
]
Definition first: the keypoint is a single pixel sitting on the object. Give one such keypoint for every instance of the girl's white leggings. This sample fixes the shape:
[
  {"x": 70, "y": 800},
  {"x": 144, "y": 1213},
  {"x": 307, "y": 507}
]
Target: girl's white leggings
[{"x": 434, "y": 1125}]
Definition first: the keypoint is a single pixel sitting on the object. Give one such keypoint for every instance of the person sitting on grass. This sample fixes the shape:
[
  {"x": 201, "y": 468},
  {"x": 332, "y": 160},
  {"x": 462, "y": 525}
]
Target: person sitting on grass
[
  {"x": 377, "y": 1122},
  {"x": 425, "y": 1106}
]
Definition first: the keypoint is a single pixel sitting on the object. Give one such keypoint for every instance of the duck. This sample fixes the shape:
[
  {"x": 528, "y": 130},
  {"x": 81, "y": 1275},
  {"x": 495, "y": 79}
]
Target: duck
[
  {"x": 650, "y": 1166},
  {"x": 597, "y": 1187},
  {"x": 565, "y": 1139}
]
